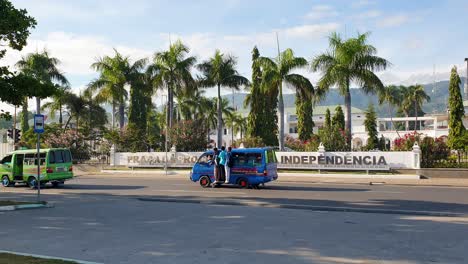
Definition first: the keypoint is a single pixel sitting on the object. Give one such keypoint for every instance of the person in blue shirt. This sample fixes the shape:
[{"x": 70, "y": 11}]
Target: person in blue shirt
[{"x": 222, "y": 164}]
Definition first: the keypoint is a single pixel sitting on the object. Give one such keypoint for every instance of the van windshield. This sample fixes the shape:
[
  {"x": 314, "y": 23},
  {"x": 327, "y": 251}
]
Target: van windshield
[{"x": 6, "y": 159}]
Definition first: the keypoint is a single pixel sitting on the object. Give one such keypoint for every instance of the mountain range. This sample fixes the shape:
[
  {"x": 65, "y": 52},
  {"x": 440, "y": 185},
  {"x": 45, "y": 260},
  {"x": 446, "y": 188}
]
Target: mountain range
[{"x": 437, "y": 91}]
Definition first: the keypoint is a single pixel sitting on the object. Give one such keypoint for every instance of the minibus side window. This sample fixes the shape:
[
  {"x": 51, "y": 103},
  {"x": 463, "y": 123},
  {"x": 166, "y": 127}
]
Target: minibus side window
[
  {"x": 6, "y": 159},
  {"x": 52, "y": 157},
  {"x": 59, "y": 156},
  {"x": 29, "y": 159},
  {"x": 238, "y": 159},
  {"x": 254, "y": 159}
]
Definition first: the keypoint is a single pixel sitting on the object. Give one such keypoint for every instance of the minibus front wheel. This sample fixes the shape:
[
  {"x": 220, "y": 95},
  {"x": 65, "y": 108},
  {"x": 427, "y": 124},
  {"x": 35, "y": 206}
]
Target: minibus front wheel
[
  {"x": 6, "y": 181},
  {"x": 205, "y": 181}
]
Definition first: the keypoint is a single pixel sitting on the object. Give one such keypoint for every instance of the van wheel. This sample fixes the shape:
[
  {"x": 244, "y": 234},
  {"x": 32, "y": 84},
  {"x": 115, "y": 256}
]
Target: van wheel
[
  {"x": 205, "y": 181},
  {"x": 243, "y": 183},
  {"x": 32, "y": 182},
  {"x": 6, "y": 181}
]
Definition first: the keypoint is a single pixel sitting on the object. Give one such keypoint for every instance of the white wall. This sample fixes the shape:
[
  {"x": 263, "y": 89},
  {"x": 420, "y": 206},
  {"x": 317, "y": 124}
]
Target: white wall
[{"x": 298, "y": 160}]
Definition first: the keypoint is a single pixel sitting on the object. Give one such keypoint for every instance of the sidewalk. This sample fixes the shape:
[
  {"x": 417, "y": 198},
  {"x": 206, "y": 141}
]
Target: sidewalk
[{"x": 291, "y": 177}]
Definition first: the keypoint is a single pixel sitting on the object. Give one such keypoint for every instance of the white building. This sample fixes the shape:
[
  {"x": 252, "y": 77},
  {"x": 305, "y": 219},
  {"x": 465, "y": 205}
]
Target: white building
[{"x": 390, "y": 128}]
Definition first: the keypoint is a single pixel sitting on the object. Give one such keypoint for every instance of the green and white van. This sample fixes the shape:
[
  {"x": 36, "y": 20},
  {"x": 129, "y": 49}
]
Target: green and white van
[{"x": 21, "y": 167}]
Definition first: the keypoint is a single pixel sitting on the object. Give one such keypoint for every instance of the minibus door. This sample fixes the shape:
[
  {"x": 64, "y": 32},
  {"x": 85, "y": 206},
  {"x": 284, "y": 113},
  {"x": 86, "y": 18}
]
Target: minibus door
[{"x": 18, "y": 166}]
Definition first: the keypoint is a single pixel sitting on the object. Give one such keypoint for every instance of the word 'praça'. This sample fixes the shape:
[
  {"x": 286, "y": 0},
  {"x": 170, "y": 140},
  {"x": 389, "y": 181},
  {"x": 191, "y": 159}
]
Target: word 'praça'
[
  {"x": 334, "y": 160},
  {"x": 154, "y": 160}
]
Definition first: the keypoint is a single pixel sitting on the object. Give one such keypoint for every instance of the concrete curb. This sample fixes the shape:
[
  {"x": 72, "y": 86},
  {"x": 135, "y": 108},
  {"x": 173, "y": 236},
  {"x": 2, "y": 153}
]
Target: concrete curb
[
  {"x": 48, "y": 257},
  {"x": 24, "y": 207},
  {"x": 303, "y": 207}
]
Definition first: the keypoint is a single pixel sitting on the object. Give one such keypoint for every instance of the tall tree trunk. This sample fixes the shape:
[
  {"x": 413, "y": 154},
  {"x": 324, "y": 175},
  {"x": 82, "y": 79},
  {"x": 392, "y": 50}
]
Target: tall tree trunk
[
  {"x": 407, "y": 122},
  {"x": 170, "y": 113},
  {"x": 25, "y": 116},
  {"x": 281, "y": 110},
  {"x": 60, "y": 114},
  {"x": 113, "y": 115},
  {"x": 220, "y": 120},
  {"x": 348, "y": 117},
  {"x": 391, "y": 119},
  {"x": 416, "y": 115},
  {"x": 121, "y": 115}
]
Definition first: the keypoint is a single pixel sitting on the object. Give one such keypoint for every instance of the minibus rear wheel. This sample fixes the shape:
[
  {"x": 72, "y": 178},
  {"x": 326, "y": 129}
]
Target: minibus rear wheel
[
  {"x": 205, "y": 181},
  {"x": 243, "y": 183},
  {"x": 32, "y": 183}
]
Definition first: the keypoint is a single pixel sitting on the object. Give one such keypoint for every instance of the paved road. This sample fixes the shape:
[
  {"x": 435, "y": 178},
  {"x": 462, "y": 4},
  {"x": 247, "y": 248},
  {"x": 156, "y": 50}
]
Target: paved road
[
  {"x": 99, "y": 219},
  {"x": 360, "y": 196}
]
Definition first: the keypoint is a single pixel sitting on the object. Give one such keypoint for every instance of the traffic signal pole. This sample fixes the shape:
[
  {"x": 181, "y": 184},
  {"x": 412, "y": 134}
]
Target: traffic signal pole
[{"x": 14, "y": 130}]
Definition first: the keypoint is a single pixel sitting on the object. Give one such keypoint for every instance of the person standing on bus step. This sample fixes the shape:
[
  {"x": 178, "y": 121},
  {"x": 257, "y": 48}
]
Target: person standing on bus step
[
  {"x": 222, "y": 164},
  {"x": 228, "y": 165},
  {"x": 216, "y": 169}
]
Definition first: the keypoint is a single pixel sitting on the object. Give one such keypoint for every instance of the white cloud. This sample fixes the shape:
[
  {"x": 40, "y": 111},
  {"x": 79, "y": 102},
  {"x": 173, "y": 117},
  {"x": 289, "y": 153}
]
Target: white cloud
[
  {"x": 76, "y": 52},
  {"x": 362, "y": 3},
  {"x": 423, "y": 76},
  {"x": 311, "y": 31},
  {"x": 370, "y": 14},
  {"x": 393, "y": 21},
  {"x": 320, "y": 12}
]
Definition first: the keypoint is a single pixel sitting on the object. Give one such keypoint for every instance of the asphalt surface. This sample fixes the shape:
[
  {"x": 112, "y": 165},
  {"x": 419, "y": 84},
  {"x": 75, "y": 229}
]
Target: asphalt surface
[{"x": 103, "y": 219}]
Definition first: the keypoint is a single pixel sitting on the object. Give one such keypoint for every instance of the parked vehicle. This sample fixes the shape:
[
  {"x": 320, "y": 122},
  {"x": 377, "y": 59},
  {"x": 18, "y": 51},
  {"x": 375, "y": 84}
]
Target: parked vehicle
[
  {"x": 251, "y": 167},
  {"x": 21, "y": 167}
]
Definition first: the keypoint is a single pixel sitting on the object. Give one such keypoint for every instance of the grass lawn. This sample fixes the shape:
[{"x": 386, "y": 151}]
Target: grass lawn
[{"x": 6, "y": 258}]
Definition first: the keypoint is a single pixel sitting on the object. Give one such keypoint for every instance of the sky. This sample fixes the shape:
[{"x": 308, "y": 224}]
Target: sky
[{"x": 417, "y": 37}]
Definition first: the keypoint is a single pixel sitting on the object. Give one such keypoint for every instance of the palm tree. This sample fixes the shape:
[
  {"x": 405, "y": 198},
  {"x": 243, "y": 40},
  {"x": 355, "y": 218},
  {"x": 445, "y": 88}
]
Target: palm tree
[
  {"x": 238, "y": 123},
  {"x": 277, "y": 71},
  {"x": 349, "y": 61},
  {"x": 393, "y": 96},
  {"x": 115, "y": 74},
  {"x": 174, "y": 74},
  {"x": 220, "y": 71},
  {"x": 414, "y": 97},
  {"x": 43, "y": 68},
  {"x": 58, "y": 100}
]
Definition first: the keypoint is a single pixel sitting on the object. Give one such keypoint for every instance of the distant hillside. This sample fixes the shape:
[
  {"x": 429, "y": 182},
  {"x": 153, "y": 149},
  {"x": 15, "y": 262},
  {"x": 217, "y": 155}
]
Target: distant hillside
[{"x": 438, "y": 103}]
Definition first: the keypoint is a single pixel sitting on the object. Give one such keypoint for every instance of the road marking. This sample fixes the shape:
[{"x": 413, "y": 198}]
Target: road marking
[
  {"x": 207, "y": 191},
  {"x": 383, "y": 192}
]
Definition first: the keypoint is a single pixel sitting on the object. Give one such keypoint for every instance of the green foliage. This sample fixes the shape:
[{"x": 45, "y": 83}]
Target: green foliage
[
  {"x": 350, "y": 60},
  {"x": 15, "y": 26},
  {"x": 24, "y": 115},
  {"x": 328, "y": 122},
  {"x": 333, "y": 139},
  {"x": 173, "y": 69},
  {"x": 189, "y": 135},
  {"x": 338, "y": 119},
  {"x": 304, "y": 111},
  {"x": 433, "y": 151},
  {"x": 278, "y": 71},
  {"x": 250, "y": 142},
  {"x": 370, "y": 124},
  {"x": 220, "y": 71},
  {"x": 456, "y": 113},
  {"x": 256, "y": 100}
]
